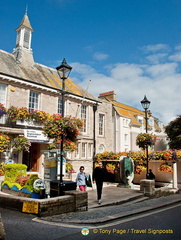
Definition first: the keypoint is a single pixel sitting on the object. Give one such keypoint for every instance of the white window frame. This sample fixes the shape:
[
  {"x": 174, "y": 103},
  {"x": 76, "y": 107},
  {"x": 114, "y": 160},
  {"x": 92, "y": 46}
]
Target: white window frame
[
  {"x": 34, "y": 105},
  {"x": 77, "y": 152},
  {"x": 59, "y": 110},
  {"x": 84, "y": 150},
  {"x": 84, "y": 118},
  {"x": 89, "y": 150},
  {"x": 3, "y": 92},
  {"x": 101, "y": 124},
  {"x": 126, "y": 137}
]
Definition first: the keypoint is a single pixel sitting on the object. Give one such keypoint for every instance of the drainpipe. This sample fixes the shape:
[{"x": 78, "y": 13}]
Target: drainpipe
[{"x": 94, "y": 132}]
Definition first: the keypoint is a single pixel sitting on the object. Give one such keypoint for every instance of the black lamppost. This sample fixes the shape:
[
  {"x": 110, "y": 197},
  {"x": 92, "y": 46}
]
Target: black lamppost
[
  {"x": 145, "y": 104},
  {"x": 63, "y": 71}
]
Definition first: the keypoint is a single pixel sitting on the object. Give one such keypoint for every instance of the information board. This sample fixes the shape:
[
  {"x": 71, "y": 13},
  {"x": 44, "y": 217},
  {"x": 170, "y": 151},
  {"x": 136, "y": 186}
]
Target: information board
[{"x": 30, "y": 207}]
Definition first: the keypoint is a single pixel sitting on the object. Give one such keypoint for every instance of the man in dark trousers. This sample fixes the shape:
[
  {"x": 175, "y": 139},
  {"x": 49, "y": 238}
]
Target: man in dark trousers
[{"x": 99, "y": 176}]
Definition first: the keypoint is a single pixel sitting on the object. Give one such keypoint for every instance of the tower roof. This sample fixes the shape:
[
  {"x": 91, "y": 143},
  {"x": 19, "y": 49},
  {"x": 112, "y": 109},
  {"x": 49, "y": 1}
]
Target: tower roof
[{"x": 25, "y": 23}]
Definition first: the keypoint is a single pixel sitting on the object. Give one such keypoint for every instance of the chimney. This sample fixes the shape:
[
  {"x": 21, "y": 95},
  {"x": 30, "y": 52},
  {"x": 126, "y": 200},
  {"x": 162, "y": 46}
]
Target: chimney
[{"x": 109, "y": 95}]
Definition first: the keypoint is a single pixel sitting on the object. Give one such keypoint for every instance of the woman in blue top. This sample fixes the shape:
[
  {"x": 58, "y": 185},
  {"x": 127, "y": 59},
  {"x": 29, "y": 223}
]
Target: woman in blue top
[{"x": 81, "y": 179}]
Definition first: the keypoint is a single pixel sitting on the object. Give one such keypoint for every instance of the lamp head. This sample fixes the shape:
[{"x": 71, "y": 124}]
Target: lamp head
[
  {"x": 145, "y": 103},
  {"x": 64, "y": 69}
]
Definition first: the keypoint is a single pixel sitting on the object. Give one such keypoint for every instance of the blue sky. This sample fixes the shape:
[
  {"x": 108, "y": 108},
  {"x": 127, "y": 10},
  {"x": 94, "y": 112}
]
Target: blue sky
[{"x": 130, "y": 46}]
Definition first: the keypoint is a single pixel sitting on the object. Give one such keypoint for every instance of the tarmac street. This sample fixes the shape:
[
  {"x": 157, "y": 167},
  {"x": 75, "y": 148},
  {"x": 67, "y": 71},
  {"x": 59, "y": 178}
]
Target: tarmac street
[{"x": 119, "y": 205}]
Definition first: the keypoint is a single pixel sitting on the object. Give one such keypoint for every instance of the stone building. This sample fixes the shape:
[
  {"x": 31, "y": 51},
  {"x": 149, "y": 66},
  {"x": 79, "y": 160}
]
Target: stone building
[
  {"x": 128, "y": 122},
  {"x": 108, "y": 124},
  {"x": 25, "y": 83}
]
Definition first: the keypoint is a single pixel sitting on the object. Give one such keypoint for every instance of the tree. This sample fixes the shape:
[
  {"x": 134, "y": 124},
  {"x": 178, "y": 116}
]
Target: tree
[{"x": 173, "y": 130}]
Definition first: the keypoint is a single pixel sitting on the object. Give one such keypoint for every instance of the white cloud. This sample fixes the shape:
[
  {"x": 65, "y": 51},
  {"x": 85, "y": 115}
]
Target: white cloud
[
  {"x": 159, "y": 82},
  {"x": 175, "y": 57},
  {"x": 162, "y": 70},
  {"x": 156, "y": 58},
  {"x": 155, "y": 48},
  {"x": 100, "y": 56}
]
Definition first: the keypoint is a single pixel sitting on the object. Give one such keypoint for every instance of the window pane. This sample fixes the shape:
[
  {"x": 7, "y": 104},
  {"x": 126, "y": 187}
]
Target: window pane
[
  {"x": 3, "y": 94},
  {"x": 33, "y": 101},
  {"x": 89, "y": 150},
  {"x": 83, "y": 150},
  {"x": 84, "y": 117},
  {"x": 59, "y": 106},
  {"x": 101, "y": 124}
]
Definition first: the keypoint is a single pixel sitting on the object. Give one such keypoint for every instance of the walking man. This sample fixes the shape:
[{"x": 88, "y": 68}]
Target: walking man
[{"x": 99, "y": 176}]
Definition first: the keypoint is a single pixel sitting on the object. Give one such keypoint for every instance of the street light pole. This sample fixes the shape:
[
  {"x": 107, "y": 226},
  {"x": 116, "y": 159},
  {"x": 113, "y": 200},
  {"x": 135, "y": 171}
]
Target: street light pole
[
  {"x": 63, "y": 71},
  {"x": 145, "y": 104}
]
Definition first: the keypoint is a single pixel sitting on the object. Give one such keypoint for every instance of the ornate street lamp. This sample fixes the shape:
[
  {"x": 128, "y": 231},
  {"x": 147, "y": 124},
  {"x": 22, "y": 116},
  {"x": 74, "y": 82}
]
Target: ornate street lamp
[
  {"x": 145, "y": 104},
  {"x": 63, "y": 71}
]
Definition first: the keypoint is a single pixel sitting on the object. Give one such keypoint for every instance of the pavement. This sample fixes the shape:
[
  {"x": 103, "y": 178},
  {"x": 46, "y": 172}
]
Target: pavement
[{"x": 117, "y": 203}]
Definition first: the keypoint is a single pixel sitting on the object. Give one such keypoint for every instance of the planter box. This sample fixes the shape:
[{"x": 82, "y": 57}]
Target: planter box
[{"x": 160, "y": 176}]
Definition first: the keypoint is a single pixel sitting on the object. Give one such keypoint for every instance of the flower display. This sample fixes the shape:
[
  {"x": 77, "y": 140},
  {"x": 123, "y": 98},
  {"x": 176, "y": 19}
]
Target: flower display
[
  {"x": 12, "y": 113},
  {"x": 20, "y": 144},
  {"x": 2, "y": 168},
  {"x": 39, "y": 116},
  {"x": 145, "y": 139},
  {"x": 68, "y": 146},
  {"x": 108, "y": 155},
  {"x": 165, "y": 168},
  {"x": 139, "y": 169},
  {"x": 68, "y": 126},
  {"x": 15, "y": 113},
  {"x": 2, "y": 109},
  {"x": 69, "y": 167},
  {"x": 4, "y": 142},
  {"x": 110, "y": 167}
]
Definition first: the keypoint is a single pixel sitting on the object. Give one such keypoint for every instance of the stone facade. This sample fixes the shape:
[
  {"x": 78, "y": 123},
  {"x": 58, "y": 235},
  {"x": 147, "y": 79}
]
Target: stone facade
[{"x": 110, "y": 125}]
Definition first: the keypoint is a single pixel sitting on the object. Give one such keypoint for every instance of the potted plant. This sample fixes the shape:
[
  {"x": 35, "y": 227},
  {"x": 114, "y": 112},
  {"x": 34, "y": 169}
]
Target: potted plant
[{"x": 15, "y": 113}]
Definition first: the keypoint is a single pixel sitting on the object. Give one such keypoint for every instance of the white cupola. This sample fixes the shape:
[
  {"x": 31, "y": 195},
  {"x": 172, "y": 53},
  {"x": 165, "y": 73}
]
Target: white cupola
[{"x": 23, "y": 40}]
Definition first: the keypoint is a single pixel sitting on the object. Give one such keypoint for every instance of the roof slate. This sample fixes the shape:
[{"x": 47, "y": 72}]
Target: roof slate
[{"x": 38, "y": 73}]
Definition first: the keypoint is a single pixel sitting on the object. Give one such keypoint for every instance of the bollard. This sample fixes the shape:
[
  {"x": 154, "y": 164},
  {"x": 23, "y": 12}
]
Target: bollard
[{"x": 147, "y": 187}]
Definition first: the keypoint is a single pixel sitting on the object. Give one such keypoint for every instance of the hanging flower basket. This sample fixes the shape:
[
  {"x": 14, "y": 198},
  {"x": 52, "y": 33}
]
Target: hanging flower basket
[
  {"x": 68, "y": 126},
  {"x": 21, "y": 144},
  {"x": 4, "y": 142},
  {"x": 68, "y": 146},
  {"x": 2, "y": 110},
  {"x": 145, "y": 139}
]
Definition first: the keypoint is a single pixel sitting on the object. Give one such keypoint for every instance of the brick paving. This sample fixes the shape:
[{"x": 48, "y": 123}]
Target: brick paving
[{"x": 117, "y": 203}]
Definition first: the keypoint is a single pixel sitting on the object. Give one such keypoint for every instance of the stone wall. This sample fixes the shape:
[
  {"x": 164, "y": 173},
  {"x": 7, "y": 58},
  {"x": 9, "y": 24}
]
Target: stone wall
[
  {"x": 2, "y": 231},
  {"x": 72, "y": 201}
]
